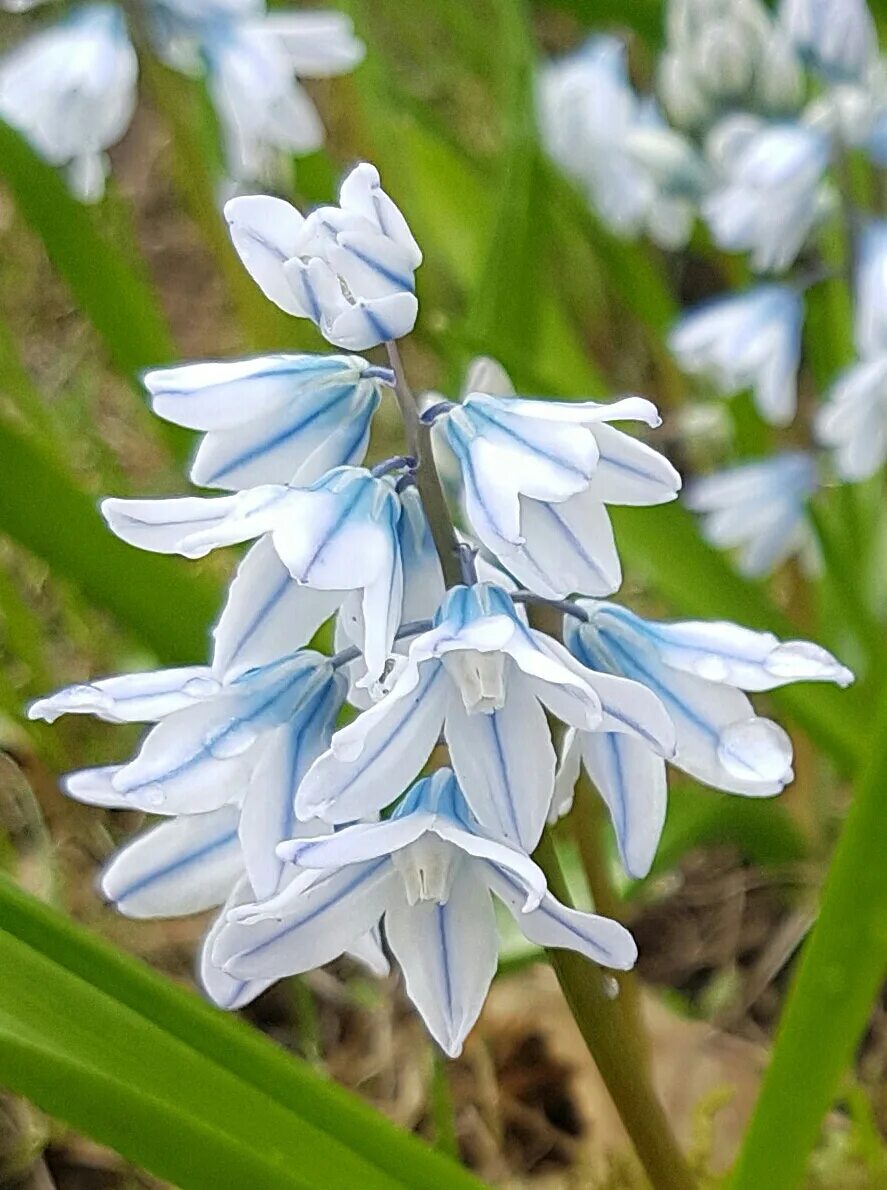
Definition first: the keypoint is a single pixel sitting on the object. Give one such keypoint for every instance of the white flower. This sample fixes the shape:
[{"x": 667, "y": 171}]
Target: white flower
[
  {"x": 222, "y": 765},
  {"x": 537, "y": 476},
  {"x": 428, "y": 871},
  {"x": 483, "y": 677},
  {"x": 347, "y": 268},
  {"x": 853, "y": 421},
  {"x": 71, "y": 90},
  {"x": 759, "y": 508},
  {"x": 837, "y": 37},
  {"x": 770, "y": 193},
  {"x": 336, "y": 536},
  {"x": 723, "y": 54},
  {"x": 698, "y": 669},
  {"x": 271, "y": 419},
  {"x": 638, "y": 174},
  {"x": 747, "y": 340}
]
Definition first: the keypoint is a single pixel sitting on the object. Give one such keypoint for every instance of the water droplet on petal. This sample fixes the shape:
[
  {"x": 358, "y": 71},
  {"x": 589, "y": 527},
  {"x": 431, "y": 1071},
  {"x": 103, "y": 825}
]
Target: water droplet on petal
[
  {"x": 756, "y": 750},
  {"x": 714, "y": 669},
  {"x": 200, "y": 688},
  {"x": 149, "y": 795}
]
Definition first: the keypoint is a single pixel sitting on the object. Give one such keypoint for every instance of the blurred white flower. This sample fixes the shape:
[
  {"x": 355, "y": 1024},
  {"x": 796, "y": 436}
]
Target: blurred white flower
[
  {"x": 747, "y": 340},
  {"x": 699, "y": 670},
  {"x": 769, "y": 192},
  {"x": 759, "y": 508},
  {"x": 853, "y": 421},
  {"x": 638, "y": 174},
  {"x": 71, "y": 91},
  {"x": 725, "y": 55},
  {"x": 347, "y": 268},
  {"x": 836, "y": 37}
]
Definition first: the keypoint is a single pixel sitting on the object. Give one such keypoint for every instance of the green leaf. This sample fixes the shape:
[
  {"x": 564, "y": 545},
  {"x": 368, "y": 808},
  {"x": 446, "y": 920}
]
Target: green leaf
[
  {"x": 119, "y": 304},
  {"x": 156, "y": 598},
  {"x": 841, "y": 970},
  {"x": 192, "y": 1095}
]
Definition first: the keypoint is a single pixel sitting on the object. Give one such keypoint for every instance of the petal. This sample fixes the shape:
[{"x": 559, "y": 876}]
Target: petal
[
  {"x": 632, "y": 781},
  {"x": 568, "y": 548},
  {"x": 362, "y": 194},
  {"x": 561, "y": 684},
  {"x": 267, "y": 614},
  {"x": 630, "y": 472},
  {"x": 569, "y": 764},
  {"x": 131, "y": 698},
  {"x": 375, "y": 758},
  {"x": 318, "y": 44},
  {"x": 585, "y": 412},
  {"x": 223, "y": 394},
  {"x": 223, "y": 989},
  {"x": 505, "y": 763},
  {"x": 370, "y": 322},
  {"x": 268, "y": 814},
  {"x": 95, "y": 787},
  {"x": 357, "y": 843},
  {"x": 192, "y": 762},
  {"x": 448, "y": 954},
  {"x": 367, "y": 950},
  {"x": 183, "y": 866},
  {"x": 266, "y": 232},
  {"x": 320, "y": 923},
  {"x": 162, "y": 525},
  {"x": 481, "y": 846},
  {"x": 600, "y": 939}
]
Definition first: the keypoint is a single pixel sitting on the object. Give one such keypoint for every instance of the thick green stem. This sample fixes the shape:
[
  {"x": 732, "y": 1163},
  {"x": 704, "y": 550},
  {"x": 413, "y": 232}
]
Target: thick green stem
[
  {"x": 615, "y": 1051},
  {"x": 434, "y": 502}
]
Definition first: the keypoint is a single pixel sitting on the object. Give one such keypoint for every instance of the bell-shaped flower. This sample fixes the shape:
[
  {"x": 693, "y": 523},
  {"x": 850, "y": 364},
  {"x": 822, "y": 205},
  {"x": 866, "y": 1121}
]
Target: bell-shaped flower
[
  {"x": 699, "y": 670},
  {"x": 347, "y": 268},
  {"x": 428, "y": 872},
  {"x": 224, "y": 855},
  {"x": 723, "y": 54},
  {"x": 870, "y": 296},
  {"x": 637, "y": 174},
  {"x": 272, "y": 418},
  {"x": 836, "y": 37},
  {"x": 336, "y": 536},
  {"x": 71, "y": 91},
  {"x": 770, "y": 189},
  {"x": 485, "y": 679},
  {"x": 537, "y": 476},
  {"x": 747, "y": 340},
  {"x": 759, "y": 508}
]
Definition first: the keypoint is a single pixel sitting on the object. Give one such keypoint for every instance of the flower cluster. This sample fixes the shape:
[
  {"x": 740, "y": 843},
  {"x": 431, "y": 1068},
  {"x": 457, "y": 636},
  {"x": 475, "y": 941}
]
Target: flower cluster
[
  {"x": 71, "y": 88},
  {"x": 319, "y": 832},
  {"x": 768, "y": 112}
]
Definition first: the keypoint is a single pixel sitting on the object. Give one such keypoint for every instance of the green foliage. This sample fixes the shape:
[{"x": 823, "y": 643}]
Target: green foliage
[{"x": 98, "y": 1040}]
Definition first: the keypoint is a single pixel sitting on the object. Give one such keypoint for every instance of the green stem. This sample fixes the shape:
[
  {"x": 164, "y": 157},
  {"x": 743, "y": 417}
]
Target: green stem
[
  {"x": 427, "y": 479},
  {"x": 615, "y": 1051},
  {"x": 445, "y": 1139},
  {"x": 588, "y": 821}
]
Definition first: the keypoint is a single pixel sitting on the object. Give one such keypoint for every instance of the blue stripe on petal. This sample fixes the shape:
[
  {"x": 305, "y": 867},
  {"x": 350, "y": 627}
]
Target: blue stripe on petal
[{"x": 177, "y": 865}]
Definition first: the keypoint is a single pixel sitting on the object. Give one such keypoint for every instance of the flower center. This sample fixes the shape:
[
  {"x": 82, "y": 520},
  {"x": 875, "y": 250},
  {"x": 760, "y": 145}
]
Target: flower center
[
  {"x": 426, "y": 868},
  {"x": 480, "y": 678}
]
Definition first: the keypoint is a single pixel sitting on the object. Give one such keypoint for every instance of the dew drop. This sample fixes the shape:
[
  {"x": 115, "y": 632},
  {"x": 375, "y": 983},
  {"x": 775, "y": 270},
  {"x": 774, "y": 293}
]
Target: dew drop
[{"x": 201, "y": 687}]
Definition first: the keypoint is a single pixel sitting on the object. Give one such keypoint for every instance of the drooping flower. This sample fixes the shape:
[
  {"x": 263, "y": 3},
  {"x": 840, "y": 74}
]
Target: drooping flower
[
  {"x": 638, "y": 174},
  {"x": 71, "y": 91},
  {"x": 482, "y": 677},
  {"x": 747, "y": 340},
  {"x": 272, "y": 418},
  {"x": 699, "y": 670},
  {"x": 347, "y": 268},
  {"x": 759, "y": 508},
  {"x": 336, "y": 536},
  {"x": 836, "y": 37},
  {"x": 853, "y": 421},
  {"x": 537, "y": 476},
  {"x": 428, "y": 872},
  {"x": 221, "y": 766},
  {"x": 770, "y": 189}
]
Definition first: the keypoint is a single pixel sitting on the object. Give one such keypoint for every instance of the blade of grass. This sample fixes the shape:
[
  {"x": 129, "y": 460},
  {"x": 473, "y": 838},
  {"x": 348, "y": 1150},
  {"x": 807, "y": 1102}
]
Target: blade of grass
[
  {"x": 69, "y": 1003},
  {"x": 841, "y": 970},
  {"x": 43, "y": 510}
]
